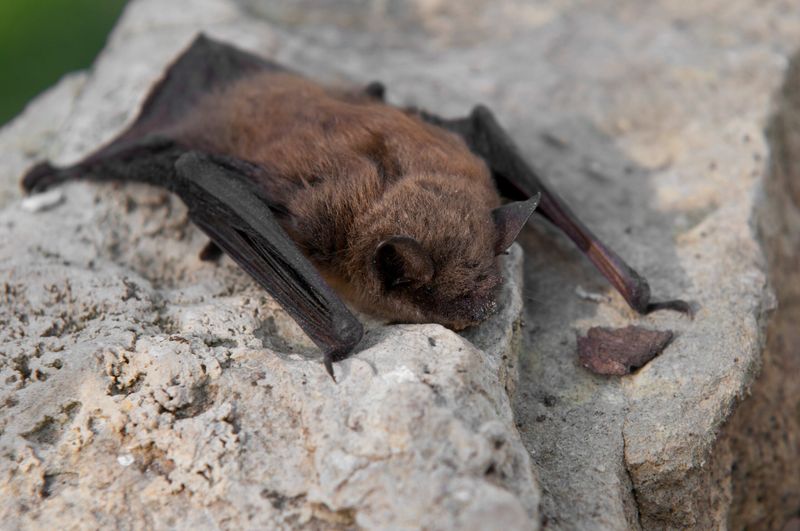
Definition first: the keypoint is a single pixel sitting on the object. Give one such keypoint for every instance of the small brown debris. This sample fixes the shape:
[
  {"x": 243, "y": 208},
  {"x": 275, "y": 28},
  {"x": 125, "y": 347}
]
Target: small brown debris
[{"x": 620, "y": 351}]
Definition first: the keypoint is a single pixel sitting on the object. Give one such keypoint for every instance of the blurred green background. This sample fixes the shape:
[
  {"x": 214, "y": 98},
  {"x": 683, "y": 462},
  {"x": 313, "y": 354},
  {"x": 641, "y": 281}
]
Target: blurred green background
[{"x": 41, "y": 40}]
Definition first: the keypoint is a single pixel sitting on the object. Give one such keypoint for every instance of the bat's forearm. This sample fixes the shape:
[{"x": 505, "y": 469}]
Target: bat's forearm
[{"x": 517, "y": 180}]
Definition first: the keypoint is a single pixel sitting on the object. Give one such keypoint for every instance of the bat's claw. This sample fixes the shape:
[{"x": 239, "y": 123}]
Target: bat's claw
[
  {"x": 39, "y": 177},
  {"x": 328, "y": 362},
  {"x": 211, "y": 252}
]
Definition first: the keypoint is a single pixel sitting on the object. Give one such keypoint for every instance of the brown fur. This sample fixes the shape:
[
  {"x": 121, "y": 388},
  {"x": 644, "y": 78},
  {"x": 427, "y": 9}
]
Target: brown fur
[{"x": 352, "y": 172}]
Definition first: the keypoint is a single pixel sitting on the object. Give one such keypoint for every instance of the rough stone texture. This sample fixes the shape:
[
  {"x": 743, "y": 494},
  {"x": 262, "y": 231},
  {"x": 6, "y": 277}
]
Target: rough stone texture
[
  {"x": 764, "y": 434},
  {"x": 685, "y": 91},
  {"x": 161, "y": 405}
]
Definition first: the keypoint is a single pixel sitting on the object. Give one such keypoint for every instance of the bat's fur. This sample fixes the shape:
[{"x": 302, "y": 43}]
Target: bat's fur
[{"x": 348, "y": 173}]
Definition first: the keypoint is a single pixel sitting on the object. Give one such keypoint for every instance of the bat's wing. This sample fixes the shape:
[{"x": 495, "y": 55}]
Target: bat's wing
[
  {"x": 219, "y": 191},
  {"x": 224, "y": 204},
  {"x": 204, "y": 67},
  {"x": 517, "y": 180}
]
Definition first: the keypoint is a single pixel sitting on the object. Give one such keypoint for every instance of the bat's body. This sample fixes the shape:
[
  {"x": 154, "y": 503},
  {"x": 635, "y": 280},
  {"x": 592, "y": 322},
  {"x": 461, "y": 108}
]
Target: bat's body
[
  {"x": 345, "y": 172},
  {"x": 398, "y": 210}
]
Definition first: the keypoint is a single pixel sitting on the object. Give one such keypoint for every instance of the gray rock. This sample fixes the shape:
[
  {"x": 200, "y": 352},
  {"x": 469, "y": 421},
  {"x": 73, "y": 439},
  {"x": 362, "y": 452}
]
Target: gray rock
[
  {"x": 686, "y": 97},
  {"x": 139, "y": 385}
]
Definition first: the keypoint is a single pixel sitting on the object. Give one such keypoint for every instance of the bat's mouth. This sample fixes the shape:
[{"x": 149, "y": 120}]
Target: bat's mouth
[{"x": 475, "y": 315}]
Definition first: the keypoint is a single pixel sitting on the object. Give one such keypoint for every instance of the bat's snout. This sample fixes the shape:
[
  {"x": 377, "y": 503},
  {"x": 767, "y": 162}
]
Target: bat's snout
[{"x": 474, "y": 312}]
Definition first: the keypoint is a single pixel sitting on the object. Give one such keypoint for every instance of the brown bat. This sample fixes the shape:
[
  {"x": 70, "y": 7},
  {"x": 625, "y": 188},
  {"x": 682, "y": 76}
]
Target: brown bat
[{"x": 398, "y": 210}]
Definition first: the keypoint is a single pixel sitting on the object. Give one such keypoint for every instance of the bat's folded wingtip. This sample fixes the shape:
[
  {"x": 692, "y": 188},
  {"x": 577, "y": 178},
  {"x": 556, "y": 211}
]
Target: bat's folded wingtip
[
  {"x": 350, "y": 333},
  {"x": 38, "y": 177}
]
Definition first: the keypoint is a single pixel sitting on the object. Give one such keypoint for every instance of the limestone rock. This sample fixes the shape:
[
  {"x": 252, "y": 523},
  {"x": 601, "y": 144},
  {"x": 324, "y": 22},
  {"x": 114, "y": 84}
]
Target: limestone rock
[{"x": 141, "y": 385}]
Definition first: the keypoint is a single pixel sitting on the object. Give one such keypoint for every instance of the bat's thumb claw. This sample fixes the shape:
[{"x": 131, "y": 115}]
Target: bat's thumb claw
[
  {"x": 37, "y": 178},
  {"x": 328, "y": 362}
]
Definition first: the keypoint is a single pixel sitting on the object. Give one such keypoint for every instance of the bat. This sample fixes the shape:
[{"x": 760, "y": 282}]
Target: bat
[{"x": 323, "y": 192}]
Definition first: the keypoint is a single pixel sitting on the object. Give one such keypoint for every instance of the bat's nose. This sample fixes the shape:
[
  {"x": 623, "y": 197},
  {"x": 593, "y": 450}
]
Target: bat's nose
[{"x": 474, "y": 312}]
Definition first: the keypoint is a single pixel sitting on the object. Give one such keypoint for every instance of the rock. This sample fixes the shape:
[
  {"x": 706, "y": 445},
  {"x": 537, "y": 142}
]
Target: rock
[
  {"x": 659, "y": 111},
  {"x": 146, "y": 399},
  {"x": 141, "y": 385}
]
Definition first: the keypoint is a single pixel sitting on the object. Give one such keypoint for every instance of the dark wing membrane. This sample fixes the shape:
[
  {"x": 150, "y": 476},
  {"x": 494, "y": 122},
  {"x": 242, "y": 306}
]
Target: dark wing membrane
[
  {"x": 223, "y": 203},
  {"x": 516, "y": 180},
  {"x": 205, "y": 66}
]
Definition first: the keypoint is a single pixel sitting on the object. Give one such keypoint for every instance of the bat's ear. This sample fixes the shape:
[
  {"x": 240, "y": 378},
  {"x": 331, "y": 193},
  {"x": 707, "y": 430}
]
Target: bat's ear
[
  {"x": 401, "y": 260},
  {"x": 509, "y": 220}
]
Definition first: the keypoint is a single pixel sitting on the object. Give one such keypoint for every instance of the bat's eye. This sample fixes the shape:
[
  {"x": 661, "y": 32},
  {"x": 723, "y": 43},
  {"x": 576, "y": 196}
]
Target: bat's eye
[{"x": 400, "y": 282}]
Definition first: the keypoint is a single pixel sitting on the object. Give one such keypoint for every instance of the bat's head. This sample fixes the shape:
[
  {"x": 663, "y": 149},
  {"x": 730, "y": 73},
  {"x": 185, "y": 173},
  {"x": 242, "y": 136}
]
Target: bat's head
[{"x": 435, "y": 257}]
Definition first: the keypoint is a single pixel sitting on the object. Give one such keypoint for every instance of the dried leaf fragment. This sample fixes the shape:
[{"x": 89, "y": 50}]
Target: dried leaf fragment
[{"x": 619, "y": 351}]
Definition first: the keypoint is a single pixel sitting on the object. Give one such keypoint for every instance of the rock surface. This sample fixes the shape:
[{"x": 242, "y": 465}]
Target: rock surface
[{"x": 138, "y": 385}]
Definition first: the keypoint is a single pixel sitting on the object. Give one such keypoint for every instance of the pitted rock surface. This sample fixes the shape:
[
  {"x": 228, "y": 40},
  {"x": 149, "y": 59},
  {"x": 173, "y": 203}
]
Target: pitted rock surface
[{"x": 140, "y": 387}]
